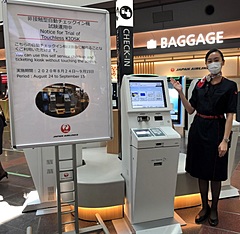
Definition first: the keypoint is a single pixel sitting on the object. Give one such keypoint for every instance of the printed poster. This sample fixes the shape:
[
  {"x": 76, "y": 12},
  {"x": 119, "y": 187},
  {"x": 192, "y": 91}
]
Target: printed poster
[{"x": 58, "y": 63}]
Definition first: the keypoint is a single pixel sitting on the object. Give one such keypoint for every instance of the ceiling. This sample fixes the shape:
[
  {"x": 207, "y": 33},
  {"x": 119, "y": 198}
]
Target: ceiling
[
  {"x": 140, "y": 39},
  {"x": 137, "y": 4}
]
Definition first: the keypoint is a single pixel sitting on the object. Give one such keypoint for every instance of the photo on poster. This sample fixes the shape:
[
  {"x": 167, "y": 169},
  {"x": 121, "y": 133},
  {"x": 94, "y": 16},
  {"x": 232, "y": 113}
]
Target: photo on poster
[{"x": 62, "y": 100}]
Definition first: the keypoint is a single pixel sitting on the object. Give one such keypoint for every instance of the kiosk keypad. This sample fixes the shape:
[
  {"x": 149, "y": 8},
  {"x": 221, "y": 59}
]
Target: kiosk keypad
[
  {"x": 148, "y": 132},
  {"x": 157, "y": 132}
]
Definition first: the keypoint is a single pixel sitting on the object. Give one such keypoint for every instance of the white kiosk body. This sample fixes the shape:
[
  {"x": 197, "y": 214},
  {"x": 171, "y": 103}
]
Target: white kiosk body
[{"x": 150, "y": 152}]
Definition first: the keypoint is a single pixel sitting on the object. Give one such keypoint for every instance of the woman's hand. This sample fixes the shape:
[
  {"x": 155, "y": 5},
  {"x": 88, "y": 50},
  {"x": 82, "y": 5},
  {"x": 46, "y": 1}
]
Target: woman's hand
[
  {"x": 176, "y": 84},
  {"x": 222, "y": 148}
]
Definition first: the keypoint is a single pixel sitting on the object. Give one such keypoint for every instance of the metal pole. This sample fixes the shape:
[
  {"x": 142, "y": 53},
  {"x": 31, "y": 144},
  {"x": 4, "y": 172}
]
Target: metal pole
[
  {"x": 58, "y": 190},
  {"x": 74, "y": 158}
]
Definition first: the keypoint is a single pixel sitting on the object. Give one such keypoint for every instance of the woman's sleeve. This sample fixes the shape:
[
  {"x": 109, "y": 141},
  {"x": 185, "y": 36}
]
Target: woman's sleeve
[
  {"x": 232, "y": 99},
  {"x": 193, "y": 99}
]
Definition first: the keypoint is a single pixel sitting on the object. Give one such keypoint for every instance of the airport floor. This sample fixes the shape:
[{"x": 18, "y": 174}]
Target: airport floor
[{"x": 15, "y": 189}]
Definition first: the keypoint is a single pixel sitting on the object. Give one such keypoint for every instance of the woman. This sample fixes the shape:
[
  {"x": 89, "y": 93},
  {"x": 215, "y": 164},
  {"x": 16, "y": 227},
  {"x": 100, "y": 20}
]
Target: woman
[
  {"x": 215, "y": 100},
  {"x": 3, "y": 173}
]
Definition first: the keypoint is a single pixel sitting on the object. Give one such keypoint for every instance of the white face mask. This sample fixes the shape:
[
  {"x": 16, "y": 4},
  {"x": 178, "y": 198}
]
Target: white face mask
[{"x": 214, "y": 68}]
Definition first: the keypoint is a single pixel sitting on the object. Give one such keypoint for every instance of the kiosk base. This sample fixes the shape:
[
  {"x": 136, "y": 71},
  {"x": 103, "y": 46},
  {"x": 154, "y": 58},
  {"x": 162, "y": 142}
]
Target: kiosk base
[
  {"x": 226, "y": 192},
  {"x": 163, "y": 226}
]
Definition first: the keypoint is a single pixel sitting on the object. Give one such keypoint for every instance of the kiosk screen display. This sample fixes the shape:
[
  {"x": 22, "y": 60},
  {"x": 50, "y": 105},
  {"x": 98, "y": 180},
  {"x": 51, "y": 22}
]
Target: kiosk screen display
[
  {"x": 175, "y": 101},
  {"x": 147, "y": 94}
]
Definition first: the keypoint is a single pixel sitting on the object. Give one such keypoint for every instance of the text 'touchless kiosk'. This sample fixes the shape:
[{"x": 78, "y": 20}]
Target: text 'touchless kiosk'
[{"x": 150, "y": 152}]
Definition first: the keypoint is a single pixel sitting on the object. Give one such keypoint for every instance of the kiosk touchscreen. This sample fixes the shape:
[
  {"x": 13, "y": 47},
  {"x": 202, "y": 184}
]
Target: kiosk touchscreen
[
  {"x": 177, "y": 112},
  {"x": 147, "y": 94},
  {"x": 150, "y": 152}
]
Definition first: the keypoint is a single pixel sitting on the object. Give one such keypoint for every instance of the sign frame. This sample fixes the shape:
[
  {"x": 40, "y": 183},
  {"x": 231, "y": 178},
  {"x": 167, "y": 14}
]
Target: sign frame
[{"x": 102, "y": 71}]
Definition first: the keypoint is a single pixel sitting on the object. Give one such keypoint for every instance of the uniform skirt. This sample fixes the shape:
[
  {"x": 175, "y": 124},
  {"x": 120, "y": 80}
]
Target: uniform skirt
[{"x": 203, "y": 160}]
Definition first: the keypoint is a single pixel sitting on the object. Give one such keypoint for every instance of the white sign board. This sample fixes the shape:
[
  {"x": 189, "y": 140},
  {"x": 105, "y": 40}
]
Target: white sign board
[
  {"x": 58, "y": 64},
  {"x": 124, "y": 13}
]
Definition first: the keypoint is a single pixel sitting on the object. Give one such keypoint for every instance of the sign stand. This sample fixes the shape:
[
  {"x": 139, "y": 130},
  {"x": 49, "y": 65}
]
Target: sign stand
[
  {"x": 56, "y": 63},
  {"x": 62, "y": 206}
]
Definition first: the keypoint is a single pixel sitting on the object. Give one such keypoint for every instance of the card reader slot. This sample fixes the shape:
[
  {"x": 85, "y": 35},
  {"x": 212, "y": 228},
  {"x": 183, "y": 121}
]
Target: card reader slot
[
  {"x": 156, "y": 164},
  {"x": 143, "y": 118},
  {"x": 159, "y": 144},
  {"x": 158, "y": 118}
]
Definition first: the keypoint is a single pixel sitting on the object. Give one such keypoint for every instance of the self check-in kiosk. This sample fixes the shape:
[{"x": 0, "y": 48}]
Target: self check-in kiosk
[
  {"x": 150, "y": 152},
  {"x": 52, "y": 104},
  {"x": 67, "y": 103}
]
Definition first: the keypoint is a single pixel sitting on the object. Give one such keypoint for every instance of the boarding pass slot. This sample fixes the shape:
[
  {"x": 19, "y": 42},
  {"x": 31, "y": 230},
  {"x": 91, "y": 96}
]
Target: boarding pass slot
[{"x": 159, "y": 144}]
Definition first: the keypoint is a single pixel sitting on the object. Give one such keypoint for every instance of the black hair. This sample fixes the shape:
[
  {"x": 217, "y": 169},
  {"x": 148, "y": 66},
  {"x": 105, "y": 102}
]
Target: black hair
[{"x": 214, "y": 50}]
